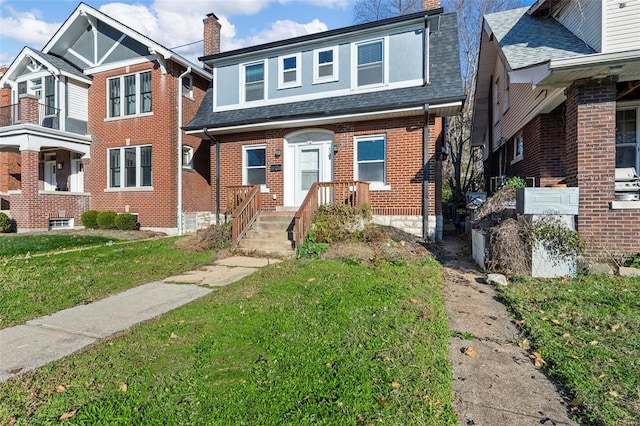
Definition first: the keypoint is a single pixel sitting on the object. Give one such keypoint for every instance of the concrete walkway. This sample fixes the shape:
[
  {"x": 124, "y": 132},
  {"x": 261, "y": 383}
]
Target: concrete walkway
[{"x": 45, "y": 339}]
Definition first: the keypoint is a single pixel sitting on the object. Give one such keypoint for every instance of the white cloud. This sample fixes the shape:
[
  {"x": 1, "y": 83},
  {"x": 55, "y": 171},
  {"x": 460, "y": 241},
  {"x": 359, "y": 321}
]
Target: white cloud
[
  {"x": 26, "y": 27},
  {"x": 280, "y": 30}
]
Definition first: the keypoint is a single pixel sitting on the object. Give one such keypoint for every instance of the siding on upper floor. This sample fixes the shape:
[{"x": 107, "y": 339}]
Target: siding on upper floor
[
  {"x": 621, "y": 24},
  {"x": 584, "y": 19}
]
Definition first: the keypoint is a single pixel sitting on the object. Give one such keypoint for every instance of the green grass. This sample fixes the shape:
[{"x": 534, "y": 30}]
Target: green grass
[
  {"x": 20, "y": 245},
  {"x": 588, "y": 332},
  {"x": 318, "y": 342},
  {"x": 30, "y": 288}
]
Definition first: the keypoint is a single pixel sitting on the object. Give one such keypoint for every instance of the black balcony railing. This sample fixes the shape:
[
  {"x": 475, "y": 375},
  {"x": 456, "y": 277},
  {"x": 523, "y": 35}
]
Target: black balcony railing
[
  {"x": 9, "y": 115},
  {"x": 48, "y": 116}
]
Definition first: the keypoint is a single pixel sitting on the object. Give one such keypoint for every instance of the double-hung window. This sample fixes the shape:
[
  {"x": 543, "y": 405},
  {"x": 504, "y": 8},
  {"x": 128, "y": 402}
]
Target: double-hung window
[
  {"x": 50, "y": 95},
  {"x": 628, "y": 137},
  {"x": 129, "y": 94},
  {"x": 325, "y": 65},
  {"x": 253, "y": 79},
  {"x": 370, "y": 69},
  {"x": 130, "y": 167},
  {"x": 518, "y": 148},
  {"x": 370, "y": 153},
  {"x": 254, "y": 165},
  {"x": 290, "y": 71}
]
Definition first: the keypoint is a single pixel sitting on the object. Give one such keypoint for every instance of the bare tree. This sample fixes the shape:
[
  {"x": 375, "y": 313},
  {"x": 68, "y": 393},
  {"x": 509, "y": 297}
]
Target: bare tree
[{"x": 374, "y": 10}]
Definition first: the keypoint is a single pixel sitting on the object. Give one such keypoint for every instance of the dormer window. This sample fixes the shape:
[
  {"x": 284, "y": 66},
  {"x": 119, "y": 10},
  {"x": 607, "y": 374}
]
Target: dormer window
[
  {"x": 289, "y": 75},
  {"x": 325, "y": 65},
  {"x": 253, "y": 78},
  {"x": 370, "y": 68}
]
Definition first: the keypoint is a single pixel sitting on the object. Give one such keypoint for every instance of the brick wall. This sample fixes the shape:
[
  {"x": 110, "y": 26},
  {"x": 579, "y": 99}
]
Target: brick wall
[
  {"x": 590, "y": 162},
  {"x": 404, "y": 162}
]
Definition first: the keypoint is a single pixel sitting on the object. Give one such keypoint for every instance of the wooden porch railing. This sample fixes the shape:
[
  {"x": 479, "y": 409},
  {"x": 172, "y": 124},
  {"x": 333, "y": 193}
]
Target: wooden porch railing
[
  {"x": 245, "y": 214},
  {"x": 236, "y": 195},
  {"x": 354, "y": 194}
]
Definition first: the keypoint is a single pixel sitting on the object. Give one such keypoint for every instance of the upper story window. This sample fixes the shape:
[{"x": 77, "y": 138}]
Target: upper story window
[
  {"x": 129, "y": 167},
  {"x": 187, "y": 87},
  {"x": 370, "y": 153},
  {"x": 129, "y": 94},
  {"x": 496, "y": 101},
  {"x": 370, "y": 66},
  {"x": 49, "y": 95},
  {"x": 254, "y": 82},
  {"x": 187, "y": 157},
  {"x": 518, "y": 148},
  {"x": 325, "y": 65},
  {"x": 289, "y": 74},
  {"x": 254, "y": 165}
]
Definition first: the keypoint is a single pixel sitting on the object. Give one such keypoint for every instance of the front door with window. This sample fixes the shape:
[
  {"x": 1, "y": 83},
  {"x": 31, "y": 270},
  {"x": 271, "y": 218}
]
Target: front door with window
[
  {"x": 77, "y": 176},
  {"x": 50, "y": 182},
  {"x": 627, "y": 137},
  {"x": 308, "y": 159}
]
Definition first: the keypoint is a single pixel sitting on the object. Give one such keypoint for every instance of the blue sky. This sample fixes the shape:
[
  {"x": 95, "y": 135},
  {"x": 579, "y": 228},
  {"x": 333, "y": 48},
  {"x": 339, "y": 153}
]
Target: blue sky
[{"x": 175, "y": 22}]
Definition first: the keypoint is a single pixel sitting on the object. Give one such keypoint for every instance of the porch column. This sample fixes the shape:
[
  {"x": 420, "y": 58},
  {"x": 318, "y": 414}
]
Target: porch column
[
  {"x": 29, "y": 113},
  {"x": 590, "y": 158},
  {"x": 23, "y": 206}
]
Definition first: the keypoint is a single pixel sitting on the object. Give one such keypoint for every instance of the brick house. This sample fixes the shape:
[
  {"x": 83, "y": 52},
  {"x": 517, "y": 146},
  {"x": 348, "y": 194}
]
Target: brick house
[
  {"x": 361, "y": 103},
  {"x": 92, "y": 121},
  {"x": 558, "y": 100}
]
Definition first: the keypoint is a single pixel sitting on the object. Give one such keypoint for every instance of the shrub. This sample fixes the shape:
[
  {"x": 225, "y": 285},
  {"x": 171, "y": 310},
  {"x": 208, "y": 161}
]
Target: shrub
[
  {"x": 5, "y": 223},
  {"x": 310, "y": 248},
  {"x": 516, "y": 182},
  {"x": 215, "y": 237},
  {"x": 126, "y": 221},
  {"x": 106, "y": 219},
  {"x": 340, "y": 222},
  {"x": 89, "y": 219}
]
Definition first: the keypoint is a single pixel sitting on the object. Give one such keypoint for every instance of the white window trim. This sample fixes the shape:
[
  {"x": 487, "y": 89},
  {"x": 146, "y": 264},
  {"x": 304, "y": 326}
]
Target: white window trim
[
  {"x": 245, "y": 148},
  {"x": 122, "y": 116},
  {"x": 385, "y": 63},
  {"x": 264, "y": 80},
  {"x": 516, "y": 157},
  {"x": 298, "y": 69},
  {"x": 189, "y": 164},
  {"x": 187, "y": 94},
  {"x": 122, "y": 186},
  {"x": 373, "y": 186},
  {"x": 316, "y": 66}
]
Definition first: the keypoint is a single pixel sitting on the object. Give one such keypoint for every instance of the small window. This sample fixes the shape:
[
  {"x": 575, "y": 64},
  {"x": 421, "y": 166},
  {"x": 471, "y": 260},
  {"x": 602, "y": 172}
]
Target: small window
[
  {"x": 129, "y": 95},
  {"x": 130, "y": 167},
  {"x": 187, "y": 87},
  {"x": 254, "y": 86},
  {"x": 518, "y": 148},
  {"x": 60, "y": 223},
  {"x": 325, "y": 65},
  {"x": 496, "y": 101},
  {"x": 22, "y": 88},
  {"x": 290, "y": 71},
  {"x": 371, "y": 159},
  {"x": 505, "y": 96},
  {"x": 254, "y": 165},
  {"x": 187, "y": 157},
  {"x": 627, "y": 137},
  {"x": 370, "y": 65}
]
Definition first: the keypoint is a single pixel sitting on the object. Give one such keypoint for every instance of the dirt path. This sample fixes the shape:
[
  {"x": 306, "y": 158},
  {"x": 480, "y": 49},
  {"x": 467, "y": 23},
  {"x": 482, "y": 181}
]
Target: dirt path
[{"x": 496, "y": 383}]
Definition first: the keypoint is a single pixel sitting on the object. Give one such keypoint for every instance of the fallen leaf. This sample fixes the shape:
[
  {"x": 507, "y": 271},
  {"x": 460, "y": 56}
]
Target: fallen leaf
[
  {"x": 11, "y": 421},
  {"x": 469, "y": 351},
  {"x": 15, "y": 370},
  {"x": 521, "y": 322},
  {"x": 616, "y": 327},
  {"x": 382, "y": 402},
  {"x": 593, "y": 342},
  {"x": 123, "y": 387},
  {"x": 310, "y": 280},
  {"x": 249, "y": 296},
  {"x": 174, "y": 336},
  {"x": 544, "y": 318},
  {"x": 137, "y": 364},
  {"x": 613, "y": 394},
  {"x": 574, "y": 356},
  {"x": 396, "y": 385},
  {"x": 60, "y": 389},
  {"x": 566, "y": 335},
  {"x": 602, "y": 375},
  {"x": 524, "y": 345},
  {"x": 555, "y": 321},
  {"x": 67, "y": 415},
  {"x": 340, "y": 404},
  {"x": 414, "y": 301},
  {"x": 538, "y": 361}
]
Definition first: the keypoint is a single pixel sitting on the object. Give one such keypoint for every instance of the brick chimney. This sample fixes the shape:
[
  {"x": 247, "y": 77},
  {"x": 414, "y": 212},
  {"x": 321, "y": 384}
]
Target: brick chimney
[
  {"x": 430, "y": 4},
  {"x": 211, "y": 35}
]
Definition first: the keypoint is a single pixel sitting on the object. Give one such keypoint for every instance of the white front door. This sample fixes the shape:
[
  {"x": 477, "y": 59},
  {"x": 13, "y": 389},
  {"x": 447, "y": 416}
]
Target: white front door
[
  {"x": 77, "y": 176},
  {"x": 308, "y": 159},
  {"x": 50, "y": 182}
]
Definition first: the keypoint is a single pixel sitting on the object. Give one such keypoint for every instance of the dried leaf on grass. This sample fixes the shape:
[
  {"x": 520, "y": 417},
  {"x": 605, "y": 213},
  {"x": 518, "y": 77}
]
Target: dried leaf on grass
[
  {"x": 67, "y": 415},
  {"x": 469, "y": 351}
]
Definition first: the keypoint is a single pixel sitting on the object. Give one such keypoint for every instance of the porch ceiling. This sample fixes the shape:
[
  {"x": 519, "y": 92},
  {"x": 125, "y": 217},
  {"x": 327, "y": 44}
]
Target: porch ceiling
[{"x": 29, "y": 137}]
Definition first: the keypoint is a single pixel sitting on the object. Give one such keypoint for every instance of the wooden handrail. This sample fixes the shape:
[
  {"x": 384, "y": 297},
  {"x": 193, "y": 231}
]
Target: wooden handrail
[
  {"x": 245, "y": 214},
  {"x": 236, "y": 195},
  {"x": 353, "y": 193}
]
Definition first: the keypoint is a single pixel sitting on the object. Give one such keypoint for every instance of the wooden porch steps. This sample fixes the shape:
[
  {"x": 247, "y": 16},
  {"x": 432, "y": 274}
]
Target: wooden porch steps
[{"x": 271, "y": 233}]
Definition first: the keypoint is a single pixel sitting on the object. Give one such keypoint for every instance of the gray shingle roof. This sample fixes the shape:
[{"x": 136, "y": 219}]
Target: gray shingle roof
[
  {"x": 445, "y": 86},
  {"x": 527, "y": 41},
  {"x": 61, "y": 64}
]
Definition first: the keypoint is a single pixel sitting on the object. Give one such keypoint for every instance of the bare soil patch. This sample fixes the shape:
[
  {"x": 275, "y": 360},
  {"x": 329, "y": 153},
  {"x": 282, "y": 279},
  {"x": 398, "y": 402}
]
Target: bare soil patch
[{"x": 107, "y": 233}]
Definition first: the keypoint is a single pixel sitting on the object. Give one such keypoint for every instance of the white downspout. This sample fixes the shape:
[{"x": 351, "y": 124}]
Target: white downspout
[{"x": 179, "y": 209}]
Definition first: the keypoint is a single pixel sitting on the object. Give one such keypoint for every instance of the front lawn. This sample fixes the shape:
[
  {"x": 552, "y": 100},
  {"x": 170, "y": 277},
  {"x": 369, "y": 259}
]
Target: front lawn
[
  {"x": 13, "y": 245},
  {"x": 587, "y": 330},
  {"x": 316, "y": 342},
  {"x": 42, "y": 285}
]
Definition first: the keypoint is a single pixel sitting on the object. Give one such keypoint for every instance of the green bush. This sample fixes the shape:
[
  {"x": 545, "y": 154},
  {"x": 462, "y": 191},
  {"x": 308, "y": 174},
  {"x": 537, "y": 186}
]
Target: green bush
[
  {"x": 516, "y": 182},
  {"x": 89, "y": 219},
  {"x": 5, "y": 223},
  {"x": 106, "y": 220},
  {"x": 126, "y": 221}
]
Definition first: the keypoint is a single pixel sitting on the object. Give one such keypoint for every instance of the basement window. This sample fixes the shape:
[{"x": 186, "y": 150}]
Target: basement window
[{"x": 60, "y": 223}]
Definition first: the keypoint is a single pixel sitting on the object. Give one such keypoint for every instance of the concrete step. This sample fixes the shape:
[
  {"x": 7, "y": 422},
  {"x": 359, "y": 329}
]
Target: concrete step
[
  {"x": 268, "y": 234},
  {"x": 282, "y": 248}
]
